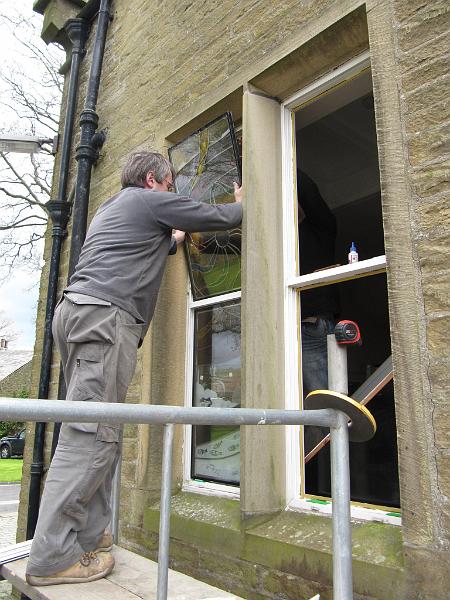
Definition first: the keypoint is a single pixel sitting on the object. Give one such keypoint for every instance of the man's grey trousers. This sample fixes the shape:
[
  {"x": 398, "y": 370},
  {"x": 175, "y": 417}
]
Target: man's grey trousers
[{"x": 98, "y": 343}]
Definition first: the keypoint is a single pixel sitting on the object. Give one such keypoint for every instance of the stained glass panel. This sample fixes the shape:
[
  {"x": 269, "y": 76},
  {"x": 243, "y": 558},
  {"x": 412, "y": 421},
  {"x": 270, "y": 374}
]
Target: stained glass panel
[{"x": 206, "y": 165}]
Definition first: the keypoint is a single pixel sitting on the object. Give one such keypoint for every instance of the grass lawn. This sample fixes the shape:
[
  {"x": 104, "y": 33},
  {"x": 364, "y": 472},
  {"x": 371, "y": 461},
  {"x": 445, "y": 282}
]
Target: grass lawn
[{"x": 11, "y": 469}]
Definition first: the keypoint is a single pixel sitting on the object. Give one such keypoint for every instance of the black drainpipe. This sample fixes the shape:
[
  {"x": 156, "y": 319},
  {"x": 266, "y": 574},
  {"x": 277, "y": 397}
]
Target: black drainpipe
[
  {"x": 59, "y": 211},
  {"x": 90, "y": 141},
  {"x": 86, "y": 155}
]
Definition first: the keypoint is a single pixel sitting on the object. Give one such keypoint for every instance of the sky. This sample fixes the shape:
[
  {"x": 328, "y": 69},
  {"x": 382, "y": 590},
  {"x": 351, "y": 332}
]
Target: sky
[{"x": 19, "y": 295}]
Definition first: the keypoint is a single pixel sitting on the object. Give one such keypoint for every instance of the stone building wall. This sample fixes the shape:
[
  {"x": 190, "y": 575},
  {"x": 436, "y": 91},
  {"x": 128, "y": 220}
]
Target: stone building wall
[
  {"x": 165, "y": 66},
  {"x": 18, "y": 383},
  {"x": 421, "y": 44}
]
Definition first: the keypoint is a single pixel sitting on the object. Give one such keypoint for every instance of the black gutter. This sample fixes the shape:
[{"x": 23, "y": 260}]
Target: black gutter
[
  {"x": 90, "y": 141},
  {"x": 59, "y": 212},
  {"x": 86, "y": 155}
]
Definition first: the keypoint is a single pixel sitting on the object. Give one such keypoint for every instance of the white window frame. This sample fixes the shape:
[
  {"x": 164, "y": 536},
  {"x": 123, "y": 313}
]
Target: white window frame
[
  {"x": 293, "y": 282},
  {"x": 189, "y": 484}
]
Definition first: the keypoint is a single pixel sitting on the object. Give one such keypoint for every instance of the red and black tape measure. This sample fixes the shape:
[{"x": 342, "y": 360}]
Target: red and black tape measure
[{"x": 347, "y": 332}]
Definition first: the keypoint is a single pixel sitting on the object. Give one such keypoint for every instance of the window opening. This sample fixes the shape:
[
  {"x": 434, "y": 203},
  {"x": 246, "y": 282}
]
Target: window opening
[
  {"x": 373, "y": 465},
  {"x": 339, "y": 203},
  {"x": 206, "y": 165}
]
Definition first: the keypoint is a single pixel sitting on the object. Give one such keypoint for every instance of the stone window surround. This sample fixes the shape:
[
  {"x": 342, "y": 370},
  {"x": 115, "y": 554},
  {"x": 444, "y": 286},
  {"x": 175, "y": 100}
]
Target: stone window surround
[{"x": 265, "y": 450}]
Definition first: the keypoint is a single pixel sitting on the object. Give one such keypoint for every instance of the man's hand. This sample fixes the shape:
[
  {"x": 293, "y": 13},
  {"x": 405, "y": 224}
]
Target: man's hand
[
  {"x": 178, "y": 235},
  {"x": 237, "y": 192}
]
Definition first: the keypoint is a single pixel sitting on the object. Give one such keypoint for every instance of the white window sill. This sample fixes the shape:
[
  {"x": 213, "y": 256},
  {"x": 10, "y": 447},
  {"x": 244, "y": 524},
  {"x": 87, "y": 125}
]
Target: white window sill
[
  {"x": 358, "y": 512},
  {"x": 211, "y": 489},
  {"x": 372, "y": 266}
]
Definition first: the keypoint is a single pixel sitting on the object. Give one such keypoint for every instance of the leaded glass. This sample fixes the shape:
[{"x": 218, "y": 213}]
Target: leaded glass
[{"x": 206, "y": 165}]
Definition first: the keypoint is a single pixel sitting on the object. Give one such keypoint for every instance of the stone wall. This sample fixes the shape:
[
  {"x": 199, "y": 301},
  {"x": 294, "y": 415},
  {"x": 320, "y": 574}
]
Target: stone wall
[
  {"x": 166, "y": 69},
  {"x": 421, "y": 44},
  {"x": 17, "y": 384}
]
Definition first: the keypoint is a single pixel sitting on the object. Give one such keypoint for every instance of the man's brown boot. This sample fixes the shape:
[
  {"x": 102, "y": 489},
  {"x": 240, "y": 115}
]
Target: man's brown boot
[
  {"x": 106, "y": 542},
  {"x": 90, "y": 567}
]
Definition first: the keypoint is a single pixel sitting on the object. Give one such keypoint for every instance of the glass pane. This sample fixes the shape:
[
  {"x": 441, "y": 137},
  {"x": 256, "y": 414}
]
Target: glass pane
[
  {"x": 206, "y": 165},
  {"x": 217, "y": 383},
  {"x": 373, "y": 464}
]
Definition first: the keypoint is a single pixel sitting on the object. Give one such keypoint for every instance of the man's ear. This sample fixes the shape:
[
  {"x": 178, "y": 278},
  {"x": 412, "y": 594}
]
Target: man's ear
[{"x": 149, "y": 180}]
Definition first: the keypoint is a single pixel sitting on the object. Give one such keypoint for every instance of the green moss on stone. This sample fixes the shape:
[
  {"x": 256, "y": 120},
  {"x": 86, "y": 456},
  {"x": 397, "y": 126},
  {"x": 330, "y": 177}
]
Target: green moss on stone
[{"x": 294, "y": 545}]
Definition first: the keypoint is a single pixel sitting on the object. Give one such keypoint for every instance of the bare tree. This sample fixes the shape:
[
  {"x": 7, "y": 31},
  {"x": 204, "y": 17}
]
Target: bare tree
[
  {"x": 7, "y": 330},
  {"x": 31, "y": 90}
]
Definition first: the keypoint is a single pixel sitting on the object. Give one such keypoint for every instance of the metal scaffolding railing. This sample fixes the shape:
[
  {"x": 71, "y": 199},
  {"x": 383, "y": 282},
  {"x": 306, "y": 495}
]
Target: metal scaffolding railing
[{"x": 97, "y": 412}]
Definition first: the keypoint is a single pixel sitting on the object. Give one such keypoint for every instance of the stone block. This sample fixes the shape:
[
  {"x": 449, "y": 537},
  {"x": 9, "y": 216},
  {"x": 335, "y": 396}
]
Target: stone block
[
  {"x": 441, "y": 425},
  {"x": 437, "y": 336},
  {"x": 434, "y": 254},
  {"x": 228, "y": 567},
  {"x": 129, "y": 450},
  {"x": 184, "y": 555},
  {"x": 426, "y": 73},
  {"x": 434, "y": 179},
  {"x": 432, "y": 212},
  {"x": 56, "y": 13},
  {"x": 445, "y": 520},
  {"x": 428, "y": 573},
  {"x": 443, "y": 468},
  {"x": 427, "y": 95},
  {"x": 439, "y": 377},
  {"x": 427, "y": 117},
  {"x": 428, "y": 23},
  {"x": 133, "y": 504},
  {"x": 128, "y": 472},
  {"x": 436, "y": 47},
  {"x": 132, "y": 538},
  {"x": 429, "y": 145},
  {"x": 405, "y": 9},
  {"x": 286, "y": 586},
  {"x": 130, "y": 430},
  {"x": 436, "y": 292}
]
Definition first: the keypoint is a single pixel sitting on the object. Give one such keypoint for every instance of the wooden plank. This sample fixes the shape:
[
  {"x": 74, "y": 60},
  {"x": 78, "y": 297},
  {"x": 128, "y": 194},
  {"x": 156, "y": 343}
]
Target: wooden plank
[
  {"x": 373, "y": 384},
  {"x": 364, "y": 394},
  {"x": 134, "y": 578},
  {"x": 14, "y": 572}
]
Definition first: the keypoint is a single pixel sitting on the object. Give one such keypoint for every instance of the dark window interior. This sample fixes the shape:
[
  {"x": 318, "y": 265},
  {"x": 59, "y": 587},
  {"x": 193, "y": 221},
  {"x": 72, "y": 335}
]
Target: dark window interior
[{"x": 337, "y": 165}]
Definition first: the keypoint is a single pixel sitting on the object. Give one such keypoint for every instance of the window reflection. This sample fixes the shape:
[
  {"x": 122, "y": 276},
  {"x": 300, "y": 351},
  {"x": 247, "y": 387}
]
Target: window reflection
[{"x": 217, "y": 383}]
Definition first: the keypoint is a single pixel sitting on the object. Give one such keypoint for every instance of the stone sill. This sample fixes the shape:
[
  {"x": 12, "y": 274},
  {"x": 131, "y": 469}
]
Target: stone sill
[{"x": 298, "y": 543}]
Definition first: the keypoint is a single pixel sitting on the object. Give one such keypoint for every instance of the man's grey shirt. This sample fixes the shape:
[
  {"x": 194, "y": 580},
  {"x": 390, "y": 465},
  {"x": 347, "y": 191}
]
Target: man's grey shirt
[{"x": 128, "y": 241}]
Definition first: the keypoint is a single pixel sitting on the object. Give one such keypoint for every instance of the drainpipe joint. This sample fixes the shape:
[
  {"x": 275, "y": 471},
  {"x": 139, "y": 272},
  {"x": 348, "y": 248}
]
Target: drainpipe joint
[
  {"x": 59, "y": 213},
  {"x": 76, "y": 30}
]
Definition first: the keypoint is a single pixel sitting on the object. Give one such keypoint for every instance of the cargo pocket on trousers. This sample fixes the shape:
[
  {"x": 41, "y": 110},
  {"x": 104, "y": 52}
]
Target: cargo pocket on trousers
[{"x": 88, "y": 381}]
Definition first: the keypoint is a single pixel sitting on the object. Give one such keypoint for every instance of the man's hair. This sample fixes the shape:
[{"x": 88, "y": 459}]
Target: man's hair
[{"x": 139, "y": 164}]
